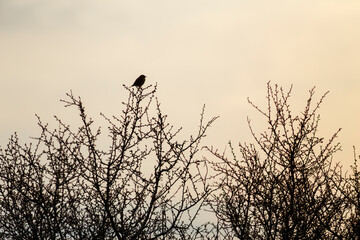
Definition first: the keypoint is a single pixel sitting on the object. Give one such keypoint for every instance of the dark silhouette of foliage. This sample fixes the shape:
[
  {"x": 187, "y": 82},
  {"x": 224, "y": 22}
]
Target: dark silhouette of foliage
[
  {"x": 285, "y": 186},
  {"x": 147, "y": 184}
]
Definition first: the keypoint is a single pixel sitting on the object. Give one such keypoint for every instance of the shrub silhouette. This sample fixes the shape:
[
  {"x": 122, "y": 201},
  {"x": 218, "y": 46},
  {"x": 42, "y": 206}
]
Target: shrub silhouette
[
  {"x": 150, "y": 184},
  {"x": 147, "y": 184},
  {"x": 285, "y": 185}
]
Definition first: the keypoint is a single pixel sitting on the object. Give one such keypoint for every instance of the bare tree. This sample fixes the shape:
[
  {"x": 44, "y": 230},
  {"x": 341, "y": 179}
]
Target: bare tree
[
  {"x": 352, "y": 195},
  {"x": 285, "y": 185},
  {"x": 148, "y": 184}
]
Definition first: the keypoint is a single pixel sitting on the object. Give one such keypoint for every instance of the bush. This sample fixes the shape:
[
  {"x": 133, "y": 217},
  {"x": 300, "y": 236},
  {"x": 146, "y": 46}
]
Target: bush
[{"x": 147, "y": 184}]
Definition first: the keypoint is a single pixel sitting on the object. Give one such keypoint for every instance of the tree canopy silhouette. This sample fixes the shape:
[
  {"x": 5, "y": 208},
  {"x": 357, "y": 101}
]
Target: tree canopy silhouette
[
  {"x": 285, "y": 184},
  {"x": 146, "y": 184}
]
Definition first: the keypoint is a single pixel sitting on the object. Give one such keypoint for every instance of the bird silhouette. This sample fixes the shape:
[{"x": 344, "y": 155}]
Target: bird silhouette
[{"x": 139, "y": 81}]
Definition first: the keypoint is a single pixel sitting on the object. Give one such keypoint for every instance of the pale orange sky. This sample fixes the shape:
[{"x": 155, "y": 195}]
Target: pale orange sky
[{"x": 199, "y": 52}]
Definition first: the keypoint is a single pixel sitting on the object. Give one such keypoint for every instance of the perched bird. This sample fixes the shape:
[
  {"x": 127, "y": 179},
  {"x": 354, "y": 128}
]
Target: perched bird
[{"x": 139, "y": 81}]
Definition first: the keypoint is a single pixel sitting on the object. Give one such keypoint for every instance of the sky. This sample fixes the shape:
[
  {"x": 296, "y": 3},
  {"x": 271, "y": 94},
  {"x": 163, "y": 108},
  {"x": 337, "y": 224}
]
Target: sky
[{"x": 217, "y": 53}]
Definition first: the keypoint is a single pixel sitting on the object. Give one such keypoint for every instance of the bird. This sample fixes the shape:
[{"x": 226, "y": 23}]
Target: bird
[{"x": 139, "y": 81}]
